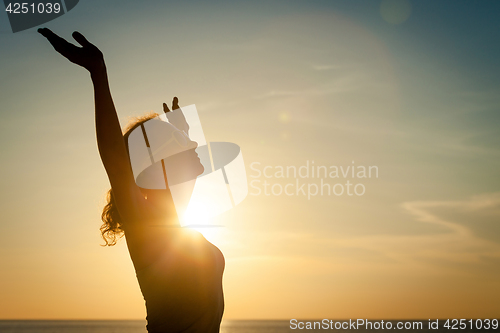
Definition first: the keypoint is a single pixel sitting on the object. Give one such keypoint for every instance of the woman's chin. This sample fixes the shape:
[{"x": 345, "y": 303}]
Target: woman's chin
[{"x": 201, "y": 169}]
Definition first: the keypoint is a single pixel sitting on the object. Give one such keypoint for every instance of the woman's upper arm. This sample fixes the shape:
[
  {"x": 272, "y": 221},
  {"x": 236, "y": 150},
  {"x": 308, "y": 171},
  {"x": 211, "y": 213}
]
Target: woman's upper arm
[
  {"x": 137, "y": 205},
  {"x": 128, "y": 197}
]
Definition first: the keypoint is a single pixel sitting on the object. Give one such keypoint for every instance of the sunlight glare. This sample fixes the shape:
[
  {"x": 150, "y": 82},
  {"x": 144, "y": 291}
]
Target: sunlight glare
[{"x": 198, "y": 216}]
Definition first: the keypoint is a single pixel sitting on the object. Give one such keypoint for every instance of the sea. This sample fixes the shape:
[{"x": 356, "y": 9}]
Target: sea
[{"x": 238, "y": 326}]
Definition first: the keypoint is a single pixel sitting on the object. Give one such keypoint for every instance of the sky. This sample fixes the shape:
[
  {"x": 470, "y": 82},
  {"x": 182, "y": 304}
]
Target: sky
[{"x": 408, "y": 87}]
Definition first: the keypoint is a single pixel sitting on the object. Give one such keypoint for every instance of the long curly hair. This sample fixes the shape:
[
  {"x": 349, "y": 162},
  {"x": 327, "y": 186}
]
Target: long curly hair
[{"x": 112, "y": 226}]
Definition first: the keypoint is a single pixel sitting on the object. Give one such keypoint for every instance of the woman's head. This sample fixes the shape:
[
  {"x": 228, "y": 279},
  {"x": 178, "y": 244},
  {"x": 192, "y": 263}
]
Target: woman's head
[
  {"x": 179, "y": 168},
  {"x": 159, "y": 148}
]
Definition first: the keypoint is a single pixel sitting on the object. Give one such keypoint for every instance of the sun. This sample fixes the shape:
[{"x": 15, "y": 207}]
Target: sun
[
  {"x": 211, "y": 233},
  {"x": 198, "y": 216}
]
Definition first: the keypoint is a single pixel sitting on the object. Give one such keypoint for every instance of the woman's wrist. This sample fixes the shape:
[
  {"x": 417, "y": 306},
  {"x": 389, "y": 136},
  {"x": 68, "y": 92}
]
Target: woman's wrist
[{"x": 99, "y": 71}]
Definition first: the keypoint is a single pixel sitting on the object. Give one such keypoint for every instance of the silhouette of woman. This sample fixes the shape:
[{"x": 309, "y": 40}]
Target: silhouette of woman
[{"x": 178, "y": 270}]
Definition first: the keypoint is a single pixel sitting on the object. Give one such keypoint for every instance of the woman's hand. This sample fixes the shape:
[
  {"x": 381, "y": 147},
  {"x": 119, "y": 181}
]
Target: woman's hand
[
  {"x": 87, "y": 56},
  {"x": 177, "y": 119}
]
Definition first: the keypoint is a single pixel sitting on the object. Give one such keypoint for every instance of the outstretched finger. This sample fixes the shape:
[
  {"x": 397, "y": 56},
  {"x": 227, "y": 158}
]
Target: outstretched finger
[
  {"x": 81, "y": 39},
  {"x": 165, "y": 108},
  {"x": 52, "y": 37},
  {"x": 175, "y": 103},
  {"x": 45, "y": 32},
  {"x": 60, "y": 44}
]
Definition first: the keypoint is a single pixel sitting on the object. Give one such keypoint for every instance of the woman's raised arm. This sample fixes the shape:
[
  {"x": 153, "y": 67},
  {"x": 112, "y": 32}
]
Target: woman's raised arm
[{"x": 110, "y": 142}]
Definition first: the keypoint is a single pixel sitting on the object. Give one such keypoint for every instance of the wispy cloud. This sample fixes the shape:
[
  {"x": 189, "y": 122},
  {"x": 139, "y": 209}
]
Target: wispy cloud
[
  {"x": 459, "y": 243},
  {"x": 325, "y": 67},
  {"x": 454, "y": 247},
  {"x": 349, "y": 81}
]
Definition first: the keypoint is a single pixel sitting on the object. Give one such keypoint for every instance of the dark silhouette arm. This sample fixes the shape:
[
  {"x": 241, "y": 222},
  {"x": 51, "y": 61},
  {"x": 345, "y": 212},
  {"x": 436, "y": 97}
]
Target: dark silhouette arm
[
  {"x": 112, "y": 147},
  {"x": 113, "y": 151}
]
